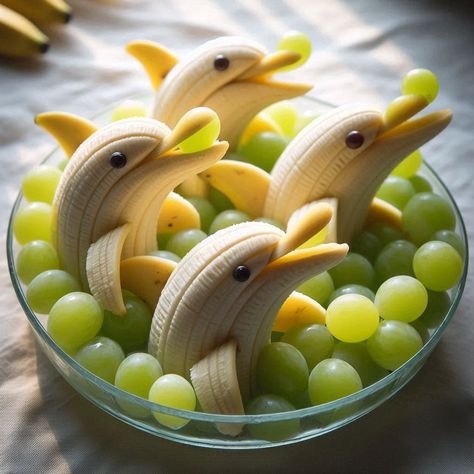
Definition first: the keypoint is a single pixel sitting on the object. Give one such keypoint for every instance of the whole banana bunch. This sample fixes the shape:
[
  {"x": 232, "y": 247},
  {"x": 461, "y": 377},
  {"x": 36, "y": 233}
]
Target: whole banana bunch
[{"x": 19, "y": 35}]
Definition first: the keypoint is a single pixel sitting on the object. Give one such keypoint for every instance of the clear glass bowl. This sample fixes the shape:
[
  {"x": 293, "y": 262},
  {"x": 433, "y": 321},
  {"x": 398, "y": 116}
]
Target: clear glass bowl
[{"x": 201, "y": 431}]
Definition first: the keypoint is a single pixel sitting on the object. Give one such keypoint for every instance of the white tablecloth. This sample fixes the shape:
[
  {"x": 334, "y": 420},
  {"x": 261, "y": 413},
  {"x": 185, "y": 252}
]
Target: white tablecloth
[{"x": 362, "y": 48}]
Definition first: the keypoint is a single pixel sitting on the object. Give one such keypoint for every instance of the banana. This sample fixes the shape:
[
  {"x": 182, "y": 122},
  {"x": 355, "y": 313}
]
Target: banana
[
  {"x": 230, "y": 75},
  {"x": 41, "y": 11},
  {"x": 19, "y": 38},
  {"x": 230, "y": 288},
  {"x": 145, "y": 276},
  {"x": 345, "y": 154},
  {"x": 298, "y": 309},
  {"x": 119, "y": 177},
  {"x": 177, "y": 214}
]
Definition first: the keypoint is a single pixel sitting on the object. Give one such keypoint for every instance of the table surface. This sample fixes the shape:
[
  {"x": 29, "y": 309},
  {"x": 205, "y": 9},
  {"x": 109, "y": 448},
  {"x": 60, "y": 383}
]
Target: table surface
[{"x": 362, "y": 48}]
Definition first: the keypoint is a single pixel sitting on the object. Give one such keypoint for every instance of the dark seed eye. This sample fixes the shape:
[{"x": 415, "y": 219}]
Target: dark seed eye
[
  {"x": 241, "y": 273},
  {"x": 117, "y": 159},
  {"x": 221, "y": 63},
  {"x": 354, "y": 139}
]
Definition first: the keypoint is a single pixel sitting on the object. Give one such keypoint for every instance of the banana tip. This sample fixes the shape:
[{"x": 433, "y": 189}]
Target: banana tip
[
  {"x": 68, "y": 16},
  {"x": 44, "y": 47}
]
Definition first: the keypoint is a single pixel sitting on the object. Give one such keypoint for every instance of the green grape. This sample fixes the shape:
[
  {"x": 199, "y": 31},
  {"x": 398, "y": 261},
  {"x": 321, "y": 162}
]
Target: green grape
[
  {"x": 172, "y": 391},
  {"x": 384, "y": 232},
  {"x": 275, "y": 430},
  {"x": 436, "y": 309},
  {"x": 227, "y": 218},
  {"x": 163, "y": 239},
  {"x": 62, "y": 164},
  {"x": 34, "y": 258},
  {"x": 263, "y": 149},
  {"x": 332, "y": 379},
  {"x": 284, "y": 114},
  {"x": 129, "y": 108},
  {"x": 203, "y": 138},
  {"x": 235, "y": 157},
  {"x": 207, "y": 212},
  {"x": 219, "y": 200},
  {"x": 299, "y": 43},
  {"x": 352, "y": 318},
  {"x": 425, "y": 214},
  {"x": 395, "y": 259},
  {"x": 421, "y": 329},
  {"x": 273, "y": 222},
  {"x": 101, "y": 356},
  {"x": 136, "y": 374},
  {"x": 367, "y": 244},
  {"x": 437, "y": 265},
  {"x": 421, "y": 82},
  {"x": 47, "y": 287},
  {"x": 74, "y": 320},
  {"x": 401, "y": 297},
  {"x": 131, "y": 330},
  {"x": 165, "y": 254},
  {"x": 409, "y": 166},
  {"x": 40, "y": 183},
  {"x": 314, "y": 341},
  {"x": 421, "y": 185},
  {"x": 356, "y": 355},
  {"x": 451, "y": 238},
  {"x": 396, "y": 191},
  {"x": 318, "y": 287},
  {"x": 183, "y": 241},
  {"x": 33, "y": 222},
  {"x": 352, "y": 289},
  {"x": 353, "y": 269},
  {"x": 282, "y": 370},
  {"x": 393, "y": 343},
  {"x": 303, "y": 120}
]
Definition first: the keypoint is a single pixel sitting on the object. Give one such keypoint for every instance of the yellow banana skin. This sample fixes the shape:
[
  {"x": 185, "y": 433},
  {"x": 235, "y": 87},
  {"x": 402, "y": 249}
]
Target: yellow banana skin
[
  {"x": 203, "y": 305},
  {"x": 97, "y": 194},
  {"x": 236, "y": 89},
  {"x": 45, "y": 12},
  {"x": 19, "y": 38}
]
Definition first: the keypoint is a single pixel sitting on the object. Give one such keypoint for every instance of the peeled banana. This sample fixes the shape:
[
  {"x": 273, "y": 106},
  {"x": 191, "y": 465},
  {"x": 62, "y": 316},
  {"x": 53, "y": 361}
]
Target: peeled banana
[
  {"x": 344, "y": 155},
  {"x": 230, "y": 288},
  {"x": 108, "y": 201},
  {"x": 231, "y": 75}
]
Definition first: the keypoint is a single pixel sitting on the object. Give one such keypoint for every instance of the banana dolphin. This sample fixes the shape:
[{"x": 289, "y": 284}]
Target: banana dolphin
[
  {"x": 231, "y": 75},
  {"x": 109, "y": 198},
  {"x": 343, "y": 156},
  {"x": 217, "y": 308}
]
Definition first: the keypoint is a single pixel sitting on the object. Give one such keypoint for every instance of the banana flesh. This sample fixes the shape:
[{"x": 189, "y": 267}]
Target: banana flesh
[
  {"x": 217, "y": 386},
  {"x": 19, "y": 37}
]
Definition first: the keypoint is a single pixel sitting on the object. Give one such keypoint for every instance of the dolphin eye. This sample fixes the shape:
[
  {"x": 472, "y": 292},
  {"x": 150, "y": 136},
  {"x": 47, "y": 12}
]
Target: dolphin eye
[
  {"x": 354, "y": 139},
  {"x": 241, "y": 273},
  {"x": 221, "y": 63},
  {"x": 117, "y": 159}
]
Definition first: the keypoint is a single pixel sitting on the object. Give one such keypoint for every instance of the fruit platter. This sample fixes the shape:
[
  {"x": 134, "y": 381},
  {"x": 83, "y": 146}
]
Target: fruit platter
[{"x": 230, "y": 263}]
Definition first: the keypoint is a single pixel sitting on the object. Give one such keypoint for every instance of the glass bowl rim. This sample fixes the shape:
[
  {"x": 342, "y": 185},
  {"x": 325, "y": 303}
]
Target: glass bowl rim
[{"x": 300, "y": 413}]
